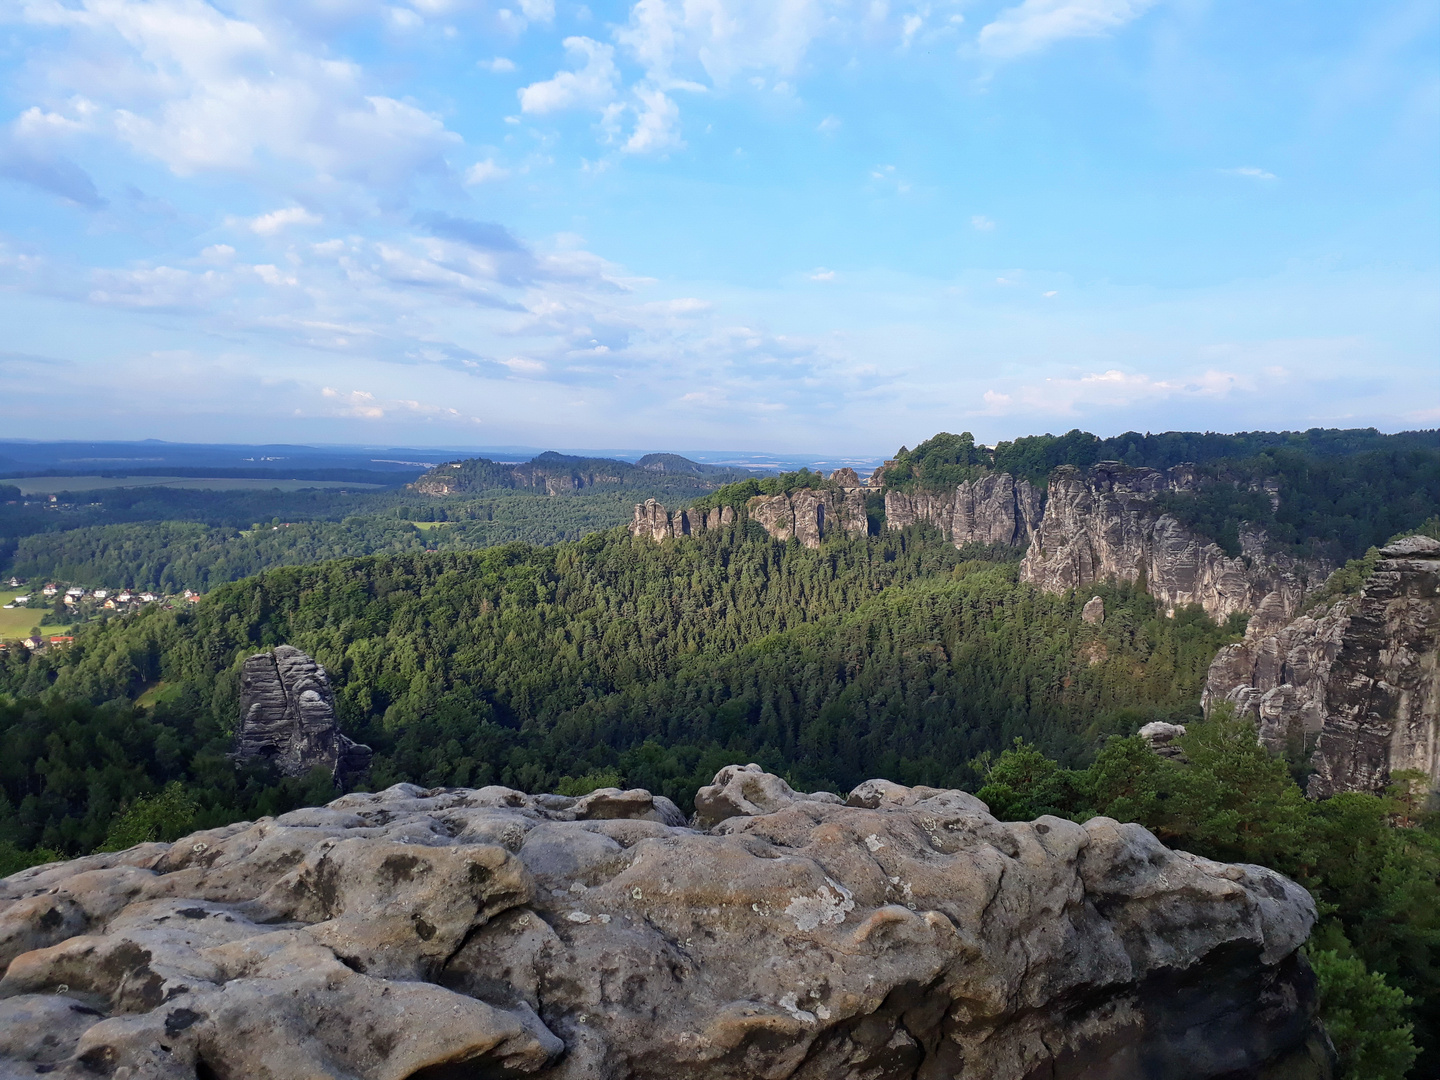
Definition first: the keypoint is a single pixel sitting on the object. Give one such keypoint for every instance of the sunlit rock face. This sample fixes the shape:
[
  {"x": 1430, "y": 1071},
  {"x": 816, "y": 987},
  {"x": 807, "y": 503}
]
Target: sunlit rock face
[
  {"x": 996, "y": 509},
  {"x": 1101, "y": 525},
  {"x": 287, "y": 717},
  {"x": 899, "y": 934}
]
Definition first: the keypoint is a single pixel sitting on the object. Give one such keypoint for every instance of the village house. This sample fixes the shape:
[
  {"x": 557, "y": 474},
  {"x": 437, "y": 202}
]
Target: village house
[
  {"x": 15, "y": 583},
  {"x": 147, "y": 597},
  {"x": 75, "y": 591},
  {"x": 51, "y": 589},
  {"x": 100, "y": 594}
]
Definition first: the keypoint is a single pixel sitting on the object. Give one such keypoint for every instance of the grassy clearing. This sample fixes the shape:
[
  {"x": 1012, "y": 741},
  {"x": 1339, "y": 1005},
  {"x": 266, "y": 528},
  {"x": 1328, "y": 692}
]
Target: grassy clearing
[
  {"x": 17, "y": 622},
  {"x": 426, "y": 526},
  {"x": 156, "y": 693}
]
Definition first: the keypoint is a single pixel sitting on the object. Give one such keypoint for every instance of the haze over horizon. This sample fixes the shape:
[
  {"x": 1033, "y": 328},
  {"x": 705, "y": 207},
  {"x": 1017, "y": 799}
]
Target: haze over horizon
[{"x": 817, "y": 225}]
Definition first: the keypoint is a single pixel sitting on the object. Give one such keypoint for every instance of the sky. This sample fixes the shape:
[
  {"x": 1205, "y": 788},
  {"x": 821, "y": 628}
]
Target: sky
[{"x": 795, "y": 225}]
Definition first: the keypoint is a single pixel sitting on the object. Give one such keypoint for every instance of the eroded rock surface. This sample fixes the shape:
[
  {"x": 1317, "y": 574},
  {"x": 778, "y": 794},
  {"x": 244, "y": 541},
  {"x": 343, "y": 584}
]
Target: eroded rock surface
[
  {"x": 996, "y": 509},
  {"x": 1357, "y": 684},
  {"x": 1101, "y": 525},
  {"x": 903, "y": 935},
  {"x": 287, "y": 716}
]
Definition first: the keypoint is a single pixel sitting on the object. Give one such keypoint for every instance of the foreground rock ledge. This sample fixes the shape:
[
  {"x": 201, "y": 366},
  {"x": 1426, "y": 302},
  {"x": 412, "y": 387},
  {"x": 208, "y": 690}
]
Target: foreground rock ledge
[{"x": 903, "y": 933}]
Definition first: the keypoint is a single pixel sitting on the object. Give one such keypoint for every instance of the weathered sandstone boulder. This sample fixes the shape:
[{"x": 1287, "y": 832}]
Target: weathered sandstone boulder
[
  {"x": 1160, "y": 737},
  {"x": 810, "y": 515},
  {"x": 1355, "y": 685},
  {"x": 1100, "y": 525},
  {"x": 287, "y": 716},
  {"x": 417, "y": 935},
  {"x": 1093, "y": 613}
]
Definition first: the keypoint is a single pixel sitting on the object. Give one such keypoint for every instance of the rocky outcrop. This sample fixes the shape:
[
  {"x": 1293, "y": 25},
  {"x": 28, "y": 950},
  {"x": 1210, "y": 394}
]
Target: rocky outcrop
[
  {"x": 807, "y": 514},
  {"x": 1278, "y": 676},
  {"x": 1382, "y": 698},
  {"x": 287, "y": 717},
  {"x": 1357, "y": 684},
  {"x": 1101, "y": 525},
  {"x": 994, "y": 509},
  {"x": 416, "y": 934},
  {"x": 653, "y": 522},
  {"x": 1161, "y": 738},
  {"x": 1093, "y": 613},
  {"x": 810, "y": 515}
]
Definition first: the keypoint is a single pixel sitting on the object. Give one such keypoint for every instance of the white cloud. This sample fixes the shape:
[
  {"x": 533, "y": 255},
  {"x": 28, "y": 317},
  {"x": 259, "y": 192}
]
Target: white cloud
[
  {"x": 485, "y": 170},
  {"x": 821, "y": 274},
  {"x": 199, "y": 90},
  {"x": 500, "y": 65},
  {"x": 829, "y": 125},
  {"x": 1034, "y": 24},
  {"x": 656, "y": 127},
  {"x": 538, "y": 10},
  {"x": 218, "y": 253},
  {"x": 271, "y": 223},
  {"x": 981, "y": 223},
  {"x": 592, "y": 85},
  {"x": 1250, "y": 172},
  {"x": 1113, "y": 389}
]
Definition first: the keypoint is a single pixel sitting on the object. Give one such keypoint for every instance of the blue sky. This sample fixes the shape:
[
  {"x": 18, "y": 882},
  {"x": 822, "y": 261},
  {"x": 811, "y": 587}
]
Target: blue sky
[{"x": 798, "y": 225}]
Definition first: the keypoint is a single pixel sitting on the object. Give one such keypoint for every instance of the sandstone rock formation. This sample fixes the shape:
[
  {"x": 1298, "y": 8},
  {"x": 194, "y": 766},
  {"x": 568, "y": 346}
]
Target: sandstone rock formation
[
  {"x": 1278, "y": 675},
  {"x": 287, "y": 716},
  {"x": 418, "y": 935},
  {"x": 1093, "y": 613},
  {"x": 1360, "y": 682},
  {"x": 653, "y": 522},
  {"x": 995, "y": 509},
  {"x": 1100, "y": 525},
  {"x": 810, "y": 515},
  {"x": 1160, "y": 737},
  {"x": 807, "y": 514}
]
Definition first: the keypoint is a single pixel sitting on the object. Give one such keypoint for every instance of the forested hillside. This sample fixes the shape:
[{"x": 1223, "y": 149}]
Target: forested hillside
[{"x": 520, "y": 665}]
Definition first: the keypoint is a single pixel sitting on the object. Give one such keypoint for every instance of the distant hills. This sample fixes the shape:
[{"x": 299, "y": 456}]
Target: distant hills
[{"x": 559, "y": 473}]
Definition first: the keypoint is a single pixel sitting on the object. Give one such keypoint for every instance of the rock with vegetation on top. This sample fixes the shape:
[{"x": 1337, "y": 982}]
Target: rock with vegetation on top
[
  {"x": 903, "y": 935},
  {"x": 1101, "y": 525}
]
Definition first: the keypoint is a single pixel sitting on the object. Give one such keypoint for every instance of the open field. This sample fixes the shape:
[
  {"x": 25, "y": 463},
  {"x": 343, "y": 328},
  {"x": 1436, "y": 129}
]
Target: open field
[
  {"x": 16, "y": 622},
  {"x": 53, "y": 485}
]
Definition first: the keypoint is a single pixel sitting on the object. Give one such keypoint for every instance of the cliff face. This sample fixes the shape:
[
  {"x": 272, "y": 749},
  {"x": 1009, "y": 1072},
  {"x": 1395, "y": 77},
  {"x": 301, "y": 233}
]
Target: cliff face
[
  {"x": 1361, "y": 679},
  {"x": 904, "y": 934},
  {"x": 810, "y": 515},
  {"x": 654, "y": 522},
  {"x": 1101, "y": 525},
  {"x": 287, "y": 717},
  {"x": 995, "y": 509},
  {"x": 807, "y": 514}
]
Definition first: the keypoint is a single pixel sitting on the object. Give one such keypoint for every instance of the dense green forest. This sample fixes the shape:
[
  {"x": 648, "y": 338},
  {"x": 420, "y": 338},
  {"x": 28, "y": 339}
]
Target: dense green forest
[{"x": 520, "y": 664}]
